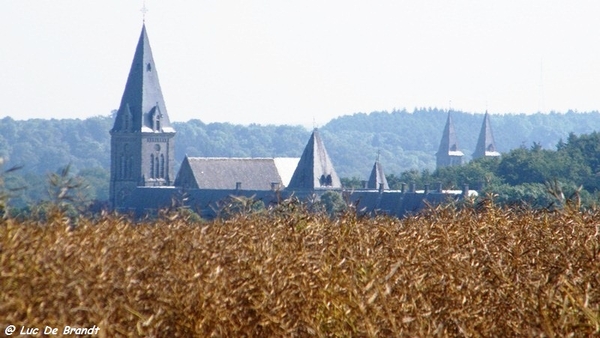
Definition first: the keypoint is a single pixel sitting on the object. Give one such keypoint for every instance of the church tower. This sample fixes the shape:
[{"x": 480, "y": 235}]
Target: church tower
[
  {"x": 448, "y": 153},
  {"x": 142, "y": 139},
  {"x": 486, "y": 146}
]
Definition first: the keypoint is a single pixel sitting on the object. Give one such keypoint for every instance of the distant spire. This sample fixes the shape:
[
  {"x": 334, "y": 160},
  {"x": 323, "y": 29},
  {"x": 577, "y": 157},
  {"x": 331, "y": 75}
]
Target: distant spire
[
  {"x": 449, "y": 141},
  {"x": 486, "y": 146},
  {"x": 449, "y": 153}
]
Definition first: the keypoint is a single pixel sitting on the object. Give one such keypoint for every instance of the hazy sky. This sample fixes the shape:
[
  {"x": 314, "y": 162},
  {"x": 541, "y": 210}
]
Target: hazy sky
[{"x": 268, "y": 61}]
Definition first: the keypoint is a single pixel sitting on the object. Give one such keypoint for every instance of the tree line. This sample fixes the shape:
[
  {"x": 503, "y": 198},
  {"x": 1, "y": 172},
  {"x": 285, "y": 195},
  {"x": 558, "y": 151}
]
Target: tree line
[
  {"x": 405, "y": 141},
  {"x": 541, "y": 178}
]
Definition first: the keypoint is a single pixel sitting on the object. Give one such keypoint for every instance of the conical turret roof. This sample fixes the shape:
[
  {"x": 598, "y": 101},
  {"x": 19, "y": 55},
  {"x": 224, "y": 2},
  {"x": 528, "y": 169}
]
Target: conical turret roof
[
  {"x": 315, "y": 170},
  {"x": 377, "y": 177},
  {"x": 486, "y": 146},
  {"x": 142, "y": 103}
]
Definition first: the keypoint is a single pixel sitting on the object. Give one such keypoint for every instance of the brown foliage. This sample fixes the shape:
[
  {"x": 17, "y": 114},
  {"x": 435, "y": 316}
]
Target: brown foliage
[{"x": 475, "y": 272}]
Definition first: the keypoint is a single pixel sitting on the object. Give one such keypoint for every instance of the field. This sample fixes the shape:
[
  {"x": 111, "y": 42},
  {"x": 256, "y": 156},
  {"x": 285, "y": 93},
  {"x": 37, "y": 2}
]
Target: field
[{"x": 474, "y": 271}]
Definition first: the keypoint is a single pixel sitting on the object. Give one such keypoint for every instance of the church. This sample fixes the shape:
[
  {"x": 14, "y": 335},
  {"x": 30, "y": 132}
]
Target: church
[{"x": 142, "y": 177}]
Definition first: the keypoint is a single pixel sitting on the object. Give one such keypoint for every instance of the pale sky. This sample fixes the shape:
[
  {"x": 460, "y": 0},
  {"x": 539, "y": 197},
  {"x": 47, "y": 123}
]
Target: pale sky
[{"x": 301, "y": 62}]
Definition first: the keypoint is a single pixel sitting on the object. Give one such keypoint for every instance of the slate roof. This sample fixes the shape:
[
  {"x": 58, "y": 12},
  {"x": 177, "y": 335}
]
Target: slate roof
[
  {"x": 486, "y": 146},
  {"x": 206, "y": 202},
  {"x": 142, "y": 99},
  {"x": 396, "y": 203},
  {"x": 225, "y": 173},
  {"x": 206, "y": 182},
  {"x": 377, "y": 177},
  {"x": 315, "y": 169},
  {"x": 449, "y": 142}
]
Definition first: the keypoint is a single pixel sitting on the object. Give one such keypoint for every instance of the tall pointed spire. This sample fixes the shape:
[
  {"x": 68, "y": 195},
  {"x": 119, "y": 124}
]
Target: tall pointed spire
[
  {"x": 142, "y": 138},
  {"x": 315, "y": 169},
  {"x": 448, "y": 153},
  {"x": 486, "y": 146},
  {"x": 142, "y": 104},
  {"x": 377, "y": 177}
]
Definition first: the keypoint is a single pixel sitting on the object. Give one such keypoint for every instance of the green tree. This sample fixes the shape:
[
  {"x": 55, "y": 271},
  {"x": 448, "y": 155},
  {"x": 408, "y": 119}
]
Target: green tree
[
  {"x": 333, "y": 202},
  {"x": 352, "y": 183},
  {"x": 97, "y": 182}
]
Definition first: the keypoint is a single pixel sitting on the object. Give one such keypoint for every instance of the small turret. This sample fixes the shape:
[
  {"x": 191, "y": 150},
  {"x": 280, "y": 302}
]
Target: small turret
[
  {"x": 315, "y": 169},
  {"x": 377, "y": 179}
]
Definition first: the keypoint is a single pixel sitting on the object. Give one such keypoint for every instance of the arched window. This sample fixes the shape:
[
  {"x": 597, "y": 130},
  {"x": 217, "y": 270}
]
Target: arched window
[
  {"x": 162, "y": 166},
  {"x": 152, "y": 166},
  {"x": 156, "y": 167}
]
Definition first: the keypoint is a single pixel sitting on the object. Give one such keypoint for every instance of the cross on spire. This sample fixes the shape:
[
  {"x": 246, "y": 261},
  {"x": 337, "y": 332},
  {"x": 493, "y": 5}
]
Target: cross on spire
[{"x": 144, "y": 10}]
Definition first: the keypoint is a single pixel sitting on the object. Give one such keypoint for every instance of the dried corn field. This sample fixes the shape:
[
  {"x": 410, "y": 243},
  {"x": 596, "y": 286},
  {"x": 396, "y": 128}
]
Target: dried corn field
[{"x": 469, "y": 272}]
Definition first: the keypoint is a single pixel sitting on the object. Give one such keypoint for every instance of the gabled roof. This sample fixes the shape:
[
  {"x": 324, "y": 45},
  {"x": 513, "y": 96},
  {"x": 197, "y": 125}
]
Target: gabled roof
[
  {"x": 377, "y": 177},
  {"x": 226, "y": 173},
  {"x": 315, "y": 170},
  {"x": 486, "y": 146},
  {"x": 449, "y": 142},
  {"x": 142, "y": 102}
]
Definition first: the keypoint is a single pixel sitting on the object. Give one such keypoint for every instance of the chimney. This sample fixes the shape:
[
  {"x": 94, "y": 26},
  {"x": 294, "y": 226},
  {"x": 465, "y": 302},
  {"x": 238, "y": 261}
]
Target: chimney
[
  {"x": 412, "y": 187},
  {"x": 238, "y": 185},
  {"x": 439, "y": 187},
  {"x": 403, "y": 188}
]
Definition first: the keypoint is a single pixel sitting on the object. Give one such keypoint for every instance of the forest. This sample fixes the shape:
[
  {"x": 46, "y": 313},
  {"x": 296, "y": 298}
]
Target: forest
[{"x": 541, "y": 152}]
